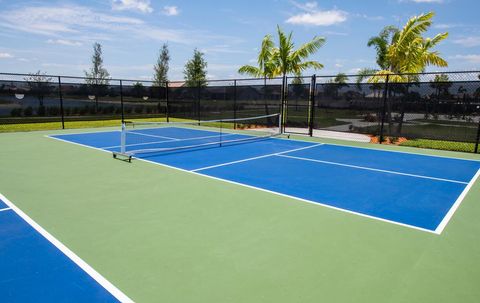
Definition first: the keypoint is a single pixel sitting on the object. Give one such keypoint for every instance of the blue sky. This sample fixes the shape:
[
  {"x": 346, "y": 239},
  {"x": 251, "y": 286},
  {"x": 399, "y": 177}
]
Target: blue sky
[{"x": 57, "y": 36}]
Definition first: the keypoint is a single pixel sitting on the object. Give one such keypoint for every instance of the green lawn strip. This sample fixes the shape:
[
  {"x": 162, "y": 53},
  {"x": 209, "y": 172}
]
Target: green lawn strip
[
  {"x": 438, "y": 144},
  {"x": 449, "y": 122},
  {"x": 160, "y": 234},
  {"x": 70, "y": 124}
]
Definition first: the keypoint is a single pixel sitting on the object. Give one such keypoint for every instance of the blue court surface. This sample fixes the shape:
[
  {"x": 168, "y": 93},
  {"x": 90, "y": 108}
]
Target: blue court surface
[
  {"x": 413, "y": 190},
  {"x": 35, "y": 267}
]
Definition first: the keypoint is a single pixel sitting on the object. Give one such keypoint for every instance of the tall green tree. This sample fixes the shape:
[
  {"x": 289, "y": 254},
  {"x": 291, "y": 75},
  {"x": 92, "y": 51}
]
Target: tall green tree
[
  {"x": 97, "y": 74},
  {"x": 410, "y": 52},
  {"x": 288, "y": 60},
  {"x": 40, "y": 85},
  {"x": 283, "y": 59},
  {"x": 380, "y": 43},
  {"x": 97, "y": 78},
  {"x": 195, "y": 72},
  {"x": 160, "y": 76},
  {"x": 265, "y": 68}
]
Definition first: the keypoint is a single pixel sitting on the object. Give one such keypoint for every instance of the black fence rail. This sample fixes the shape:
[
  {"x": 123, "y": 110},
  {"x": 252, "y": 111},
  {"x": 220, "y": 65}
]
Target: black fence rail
[{"x": 444, "y": 107}]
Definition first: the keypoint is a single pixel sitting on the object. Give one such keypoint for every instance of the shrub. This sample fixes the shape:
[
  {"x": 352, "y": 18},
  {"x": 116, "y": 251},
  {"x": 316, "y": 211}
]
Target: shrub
[
  {"x": 370, "y": 118},
  {"x": 16, "y": 112},
  {"x": 28, "y": 112},
  {"x": 41, "y": 111}
]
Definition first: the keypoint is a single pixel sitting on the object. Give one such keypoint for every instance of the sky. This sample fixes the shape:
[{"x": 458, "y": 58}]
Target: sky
[{"x": 56, "y": 37}]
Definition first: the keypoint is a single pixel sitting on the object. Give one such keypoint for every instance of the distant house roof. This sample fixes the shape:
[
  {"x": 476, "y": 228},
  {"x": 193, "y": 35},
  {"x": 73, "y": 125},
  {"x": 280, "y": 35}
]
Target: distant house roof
[{"x": 176, "y": 84}]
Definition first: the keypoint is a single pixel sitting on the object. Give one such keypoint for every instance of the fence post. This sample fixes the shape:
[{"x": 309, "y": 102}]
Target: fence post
[
  {"x": 478, "y": 136},
  {"x": 61, "y": 101},
  {"x": 198, "y": 102},
  {"x": 282, "y": 101},
  {"x": 235, "y": 104},
  {"x": 313, "y": 91},
  {"x": 385, "y": 99},
  {"x": 167, "y": 109},
  {"x": 121, "y": 101}
]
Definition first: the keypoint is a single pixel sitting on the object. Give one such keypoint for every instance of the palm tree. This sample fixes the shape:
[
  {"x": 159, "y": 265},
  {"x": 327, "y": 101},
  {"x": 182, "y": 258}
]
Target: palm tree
[
  {"x": 380, "y": 43},
  {"x": 265, "y": 67},
  {"x": 409, "y": 52},
  {"x": 284, "y": 59}
]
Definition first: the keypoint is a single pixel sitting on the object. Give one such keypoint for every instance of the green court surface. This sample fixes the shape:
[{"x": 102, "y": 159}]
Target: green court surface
[{"x": 164, "y": 235}]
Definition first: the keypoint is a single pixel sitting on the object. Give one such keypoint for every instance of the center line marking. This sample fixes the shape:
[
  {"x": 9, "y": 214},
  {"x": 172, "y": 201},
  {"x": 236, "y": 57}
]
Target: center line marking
[
  {"x": 258, "y": 157},
  {"x": 373, "y": 169}
]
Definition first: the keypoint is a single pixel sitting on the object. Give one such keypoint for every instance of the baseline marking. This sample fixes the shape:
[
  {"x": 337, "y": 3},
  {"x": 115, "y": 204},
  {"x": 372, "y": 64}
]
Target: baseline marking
[
  {"x": 4, "y": 209},
  {"x": 117, "y": 293},
  {"x": 457, "y": 203},
  {"x": 373, "y": 169},
  {"x": 436, "y": 232},
  {"x": 255, "y": 158}
]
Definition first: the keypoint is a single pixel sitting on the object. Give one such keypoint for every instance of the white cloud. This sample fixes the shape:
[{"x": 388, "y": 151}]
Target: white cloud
[
  {"x": 469, "y": 58},
  {"x": 5, "y": 55},
  {"x": 224, "y": 49},
  {"x": 170, "y": 10},
  {"x": 142, "y": 6},
  {"x": 312, "y": 15},
  {"x": 65, "y": 42},
  {"x": 51, "y": 20},
  {"x": 444, "y": 25},
  {"x": 468, "y": 41},
  {"x": 86, "y": 24}
]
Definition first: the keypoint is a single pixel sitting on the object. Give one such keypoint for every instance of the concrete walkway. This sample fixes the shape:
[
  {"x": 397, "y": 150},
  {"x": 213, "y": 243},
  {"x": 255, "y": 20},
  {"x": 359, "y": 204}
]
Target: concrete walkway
[{"x": 331, "y": 134}]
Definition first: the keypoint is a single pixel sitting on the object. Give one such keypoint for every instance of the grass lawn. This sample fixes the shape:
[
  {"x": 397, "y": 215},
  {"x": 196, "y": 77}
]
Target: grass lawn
[
  {"x": 442, "y": 145},
  {"x": 164, "y": 235}
]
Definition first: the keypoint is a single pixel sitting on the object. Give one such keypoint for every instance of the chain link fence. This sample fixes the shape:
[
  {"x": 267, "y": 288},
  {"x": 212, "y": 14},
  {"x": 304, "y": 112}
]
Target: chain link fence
[{"x": 443, "y": 108}]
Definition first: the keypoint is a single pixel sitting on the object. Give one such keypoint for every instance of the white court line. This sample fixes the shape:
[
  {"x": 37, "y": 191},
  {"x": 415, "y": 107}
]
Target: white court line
[
  {"x": 384, "y": 150},
  {"x": 70, "y": 254},
  {"x": 154, "y": 136},
  {"x": 301, "y": 140},
  {"x": 269, "y": 191},
  {"x": 372, "y": 169},
  {"x": 185, "y": 139},
  {"x": 291, "y": 197},
  {"x": 4, "y": 209},
  {"x": 255, "y": 158},
  {"x": 455, "y": 205}
]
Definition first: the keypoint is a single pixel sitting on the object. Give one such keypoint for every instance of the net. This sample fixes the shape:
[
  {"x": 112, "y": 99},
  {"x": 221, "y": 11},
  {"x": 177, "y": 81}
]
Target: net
[{"x": 157, "y": 137}]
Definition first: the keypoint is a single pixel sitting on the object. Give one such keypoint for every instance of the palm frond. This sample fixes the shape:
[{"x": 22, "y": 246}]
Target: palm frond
[{"x": 250, "y": 70}]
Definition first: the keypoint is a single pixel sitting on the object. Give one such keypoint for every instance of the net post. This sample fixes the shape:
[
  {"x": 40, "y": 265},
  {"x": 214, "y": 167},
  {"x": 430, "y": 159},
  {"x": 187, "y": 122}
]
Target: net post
[
  {"x": 385, "y": 93},
  {"x": 280, "y": 130},
  {"x": 221, "y": 132},
  {"x": 123, "y": 139},
  {"x": 282, "y": 102},
  {"x": 61, "y": 101},
  {"x": 198, "y": 101},
  {"x": 234, "y": 103},
  {"x": 313, "y": 90},
  {"x": 478, "y": 137}
]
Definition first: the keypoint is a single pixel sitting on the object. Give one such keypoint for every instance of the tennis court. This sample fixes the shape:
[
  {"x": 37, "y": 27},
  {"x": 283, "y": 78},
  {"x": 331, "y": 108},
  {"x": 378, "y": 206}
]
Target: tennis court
[
  {"x": 215, "y": 212},
  {"x": 423, "y": 191}
]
